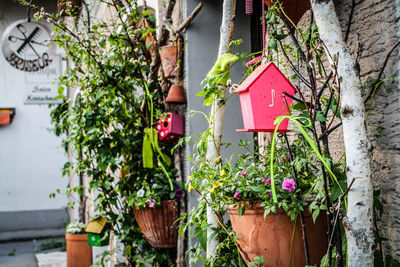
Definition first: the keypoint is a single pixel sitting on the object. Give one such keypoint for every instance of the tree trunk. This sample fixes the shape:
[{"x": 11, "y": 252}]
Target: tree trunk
[
  {"x": 358, "y": 222},
  {"x": 218, "y": 112}
]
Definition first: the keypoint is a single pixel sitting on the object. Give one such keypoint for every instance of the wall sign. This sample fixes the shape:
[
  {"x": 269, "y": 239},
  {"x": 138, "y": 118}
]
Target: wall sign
[
  {"x": 27, "y": 47},
  {"x": 41, "y": 86}
]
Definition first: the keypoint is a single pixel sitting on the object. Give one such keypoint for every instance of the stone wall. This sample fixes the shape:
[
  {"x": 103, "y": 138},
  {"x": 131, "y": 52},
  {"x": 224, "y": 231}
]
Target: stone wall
[{"x": 373, "y": 33}]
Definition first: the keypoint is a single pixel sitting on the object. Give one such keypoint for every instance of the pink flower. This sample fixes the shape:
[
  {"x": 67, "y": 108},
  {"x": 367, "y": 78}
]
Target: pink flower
[
  {"x": 267, "y": 181},
  {"x": 288, "y": 155},
  {"x": 281, "y": 160},
  {"x": 236, "y": 195},
  {"x": 151, "y": 203},
  {"x": 262, "y": 168},
  {"x": 289, "y": 185},
  {"x": 244, "y": 173},
  {"x": 270, "y": 194}
]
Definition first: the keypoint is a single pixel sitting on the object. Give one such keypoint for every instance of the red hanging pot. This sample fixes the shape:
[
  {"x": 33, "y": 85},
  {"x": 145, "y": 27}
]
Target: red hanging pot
[
  {"x": 271, "y": 237},
  {"x": 157, "y": 224},
  {"x": 294, "y": 9},
  {"x": 176, "y": 95}
]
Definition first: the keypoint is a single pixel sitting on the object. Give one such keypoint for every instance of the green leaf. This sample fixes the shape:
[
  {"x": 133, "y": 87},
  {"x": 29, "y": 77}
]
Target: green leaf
[
  {"x": 273, "y": 44},
  {"x": 320, "y": 116},
  {"x": 259, "y": 260},
  {"x": 315, "y": 215},
  {"x": 299, "y": 106},
  {"x": 241, "y": 210}
]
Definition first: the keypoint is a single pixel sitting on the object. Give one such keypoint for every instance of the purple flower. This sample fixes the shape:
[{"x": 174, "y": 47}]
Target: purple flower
[
  {"x": 236, "y": 195},
  {"x": 270, "y": 194},
  {"x": 151, "y": 180},
  {"x": 267, "y": 181},
  {"x": 289, "y": 185},
  {"x": 244, "y": 173},
  {"x": 178, "y": 193},
  {"x": 151, "y": 203},
  {"x": 288, "y": 156}
]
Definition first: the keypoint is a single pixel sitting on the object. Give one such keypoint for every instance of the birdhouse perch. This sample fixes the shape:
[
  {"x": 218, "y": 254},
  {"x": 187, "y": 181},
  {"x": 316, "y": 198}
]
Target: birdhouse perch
[{"x": 262, "y": 99}]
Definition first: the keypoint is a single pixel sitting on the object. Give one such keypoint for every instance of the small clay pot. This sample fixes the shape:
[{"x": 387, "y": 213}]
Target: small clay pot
[
  {"x": 157, "y": 224},
  {"x": 79, "y": 253},
  {"x": 62, "y": 6},
  {"x": 294, "y": 9},
  {"x": 168, "y": 55},
  {"x": 176, "y": 95},
  {"x": 271, "y": 237}
]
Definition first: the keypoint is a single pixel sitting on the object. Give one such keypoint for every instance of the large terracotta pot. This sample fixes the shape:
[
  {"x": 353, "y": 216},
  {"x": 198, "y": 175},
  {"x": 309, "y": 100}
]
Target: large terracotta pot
[
  {"x": 271, "y": 237},
  {"x": 157, "y": 224},
  {"x": 294, "y": 9},
  {"x": 79, "y": 253}
]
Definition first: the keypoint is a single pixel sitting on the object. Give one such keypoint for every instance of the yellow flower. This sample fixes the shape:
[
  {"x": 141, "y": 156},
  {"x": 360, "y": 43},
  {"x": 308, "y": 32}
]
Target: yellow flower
[
  {"x": 190, "y": 188},
  {"x": 190, "y": 177},
  {"x": 216, "y": 184},
  {"x": 211, "y": 190},
  {"x": 222, "y": 172},
  {"x": 201, "y": 165},
  {"x": 218, "y": 160}
]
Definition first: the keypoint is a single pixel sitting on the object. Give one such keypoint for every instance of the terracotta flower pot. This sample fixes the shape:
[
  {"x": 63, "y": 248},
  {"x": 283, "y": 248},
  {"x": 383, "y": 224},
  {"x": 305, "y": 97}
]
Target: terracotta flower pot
[
  {"x": 79, "y": 253},
  {"x": 176, "y": 95},
  {"x": 294, "y": 9},
  {"x": 157, "y": 224},
  {"x": 271, "y": 237},
  {"x": 169, "y": 57},
  {"x": 62, "y": 6}
]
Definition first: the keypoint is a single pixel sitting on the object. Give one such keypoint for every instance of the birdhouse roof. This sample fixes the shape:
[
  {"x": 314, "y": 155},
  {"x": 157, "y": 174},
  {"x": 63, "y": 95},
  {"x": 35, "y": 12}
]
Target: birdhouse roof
[
  {"x": 96, "y": 226},
  {"x": 253, "y": 77}
]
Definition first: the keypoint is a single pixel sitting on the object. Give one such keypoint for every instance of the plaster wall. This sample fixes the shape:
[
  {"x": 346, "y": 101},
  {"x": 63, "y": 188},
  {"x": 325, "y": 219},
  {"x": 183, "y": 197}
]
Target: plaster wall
[{"x": 31, "y": 157}]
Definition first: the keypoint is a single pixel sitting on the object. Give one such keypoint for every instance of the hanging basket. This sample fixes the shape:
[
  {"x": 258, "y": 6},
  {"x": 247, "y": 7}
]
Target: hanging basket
[
  {"x": 157, "y": 224},
  {"x": 79, "y": 254},
  {"x": 294, "y": 9},
  {"x": 271, "y": 237}
]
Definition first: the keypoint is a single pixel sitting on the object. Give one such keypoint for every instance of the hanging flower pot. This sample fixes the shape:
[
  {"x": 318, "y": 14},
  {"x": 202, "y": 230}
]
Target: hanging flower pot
[
  {"x": 176, "y": 95},
  {"x": 65, "y": 6},
  {"x": 79, "y": 253},
  {"x": 294, "y": 9},
  {"x": 271, "y": 237},
  {"x": 169, "y": 57},
  {"x": 157, "y": 224}
]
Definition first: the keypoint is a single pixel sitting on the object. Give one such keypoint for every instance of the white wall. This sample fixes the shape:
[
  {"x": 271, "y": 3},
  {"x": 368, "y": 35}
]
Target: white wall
[{"x": 31, "y": 157}]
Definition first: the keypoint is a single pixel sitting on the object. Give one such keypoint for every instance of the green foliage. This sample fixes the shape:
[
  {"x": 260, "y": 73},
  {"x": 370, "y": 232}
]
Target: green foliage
[
  {"x": 245, "y": 177},
  {"x": 118, "y": 96}
]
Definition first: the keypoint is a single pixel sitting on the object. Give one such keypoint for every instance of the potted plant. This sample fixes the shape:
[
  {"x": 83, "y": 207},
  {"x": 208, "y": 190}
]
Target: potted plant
[
  {"x": 79, "y": 253},
  {"x": 156, "y": 207},
  {"x": 264, "y": 228}
]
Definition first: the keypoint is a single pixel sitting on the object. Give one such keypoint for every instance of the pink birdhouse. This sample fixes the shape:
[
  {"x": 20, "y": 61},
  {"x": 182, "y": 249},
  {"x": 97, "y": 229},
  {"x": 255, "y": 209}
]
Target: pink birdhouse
[
  {"x": 170, "y": 128},
  {"x": 262, "y": 99}
]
